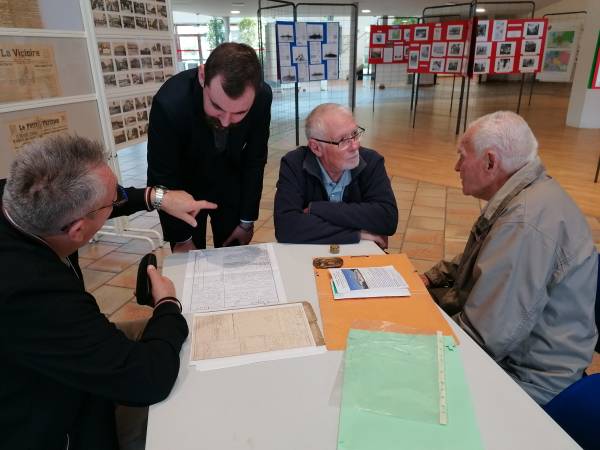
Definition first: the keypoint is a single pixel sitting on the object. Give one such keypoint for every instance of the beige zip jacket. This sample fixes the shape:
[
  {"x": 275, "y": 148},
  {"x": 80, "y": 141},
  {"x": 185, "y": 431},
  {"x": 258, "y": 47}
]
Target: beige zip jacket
[{"x": 524, "y": 288}]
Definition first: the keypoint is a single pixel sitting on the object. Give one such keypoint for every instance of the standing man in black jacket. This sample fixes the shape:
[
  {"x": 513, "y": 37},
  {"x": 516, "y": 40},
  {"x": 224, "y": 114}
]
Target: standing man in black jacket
[
  {"x": 208, "y": 135},
  {"x": 64, "y": 365},
  {"x": 334, "y": 191}
]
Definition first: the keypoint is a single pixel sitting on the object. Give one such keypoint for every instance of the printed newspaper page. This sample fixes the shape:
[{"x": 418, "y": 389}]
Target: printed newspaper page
[
  {"x": 27, "y": 73},
  {"x": 366, "y": 282},
  {"x": 245, "y": 336},
  {"x": 232, "y": 278},
  {"x": 20, "y": 14},
  {"x": 25, "y": 131}
]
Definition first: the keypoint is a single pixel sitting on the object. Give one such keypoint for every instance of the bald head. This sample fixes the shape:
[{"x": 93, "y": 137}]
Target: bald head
[{"x": 321, "y": 121}]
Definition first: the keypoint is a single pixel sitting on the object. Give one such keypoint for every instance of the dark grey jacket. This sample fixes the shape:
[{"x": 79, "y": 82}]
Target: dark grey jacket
[{"x": 368, "y": 203}]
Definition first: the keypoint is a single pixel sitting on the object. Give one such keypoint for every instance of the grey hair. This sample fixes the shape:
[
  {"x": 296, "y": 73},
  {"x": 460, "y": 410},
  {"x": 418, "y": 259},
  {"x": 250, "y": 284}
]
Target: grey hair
[
  {"x": 315, "y": 126},
  {"x": 508, "y": 134},
  {"x": 50, "y": 183}
]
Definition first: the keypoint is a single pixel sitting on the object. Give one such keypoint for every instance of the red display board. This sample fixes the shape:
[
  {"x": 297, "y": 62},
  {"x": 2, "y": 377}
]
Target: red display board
[
  {"x": 439, "y": 47},
  {"x": 594, "y": 82},
  {"x": 388, "y": 44},
  {"x": 509, "y": 46}
]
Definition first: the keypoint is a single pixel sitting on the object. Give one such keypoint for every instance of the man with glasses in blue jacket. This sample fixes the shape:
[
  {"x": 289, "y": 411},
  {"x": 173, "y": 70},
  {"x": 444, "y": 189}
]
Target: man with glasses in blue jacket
[{"x": 333, "y": 190}]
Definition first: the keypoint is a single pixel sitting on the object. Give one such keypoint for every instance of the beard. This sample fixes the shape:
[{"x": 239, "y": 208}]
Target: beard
[{"x": 215, "y": 123}]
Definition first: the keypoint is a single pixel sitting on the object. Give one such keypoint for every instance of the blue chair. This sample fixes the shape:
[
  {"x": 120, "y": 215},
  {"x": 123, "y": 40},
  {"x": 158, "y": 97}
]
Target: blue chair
[{"x": 577, "y": 411}]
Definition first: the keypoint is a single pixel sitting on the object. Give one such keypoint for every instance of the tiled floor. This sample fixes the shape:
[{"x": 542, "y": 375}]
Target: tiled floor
[{"x": 434, "y": 223}]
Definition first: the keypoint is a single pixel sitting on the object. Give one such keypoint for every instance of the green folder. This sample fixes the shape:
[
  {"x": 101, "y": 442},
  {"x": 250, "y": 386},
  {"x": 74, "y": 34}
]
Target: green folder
[{"x": 390, "y": 396}]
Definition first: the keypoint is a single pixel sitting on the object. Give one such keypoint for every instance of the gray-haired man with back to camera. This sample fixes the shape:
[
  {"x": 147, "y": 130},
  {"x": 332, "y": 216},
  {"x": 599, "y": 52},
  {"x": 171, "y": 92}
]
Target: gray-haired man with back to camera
[
  {"x": 524, "y": 288},
  {"x": 64, "y": 365}
]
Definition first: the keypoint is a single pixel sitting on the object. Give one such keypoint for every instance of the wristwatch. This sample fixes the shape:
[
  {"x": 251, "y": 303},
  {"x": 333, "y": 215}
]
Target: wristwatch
[
  {"x": 246, "y": 226},
  {"x": 159, "y": 195}
]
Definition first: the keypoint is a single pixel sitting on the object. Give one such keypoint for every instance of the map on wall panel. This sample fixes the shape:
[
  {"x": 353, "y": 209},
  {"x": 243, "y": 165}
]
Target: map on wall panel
[{"x": 307, "y": 51}]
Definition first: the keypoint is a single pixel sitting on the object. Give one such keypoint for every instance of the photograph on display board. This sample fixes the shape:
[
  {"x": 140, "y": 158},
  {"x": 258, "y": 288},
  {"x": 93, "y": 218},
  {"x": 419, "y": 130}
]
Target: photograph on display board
[
  {"x": 556, "y": 60},
  {"x": 139, "y": 8},
  {"x": 483, "y": 49},
  {"x": 332, "y": 32},
  {"x": 133, "y": 49},
  {"x": 453, "y": 65},
  {"x": 128, "y": 22},
  {"x": 116, "y": 122},
  {"x": 481, "y": 34},
  {"x": 533, "y": 29},
  {"x": 560, "y": 39},
  {"x": 301, "y": 38},
  {"x": 407, "y": 34},
  {"x": 285, "y": 33},
  {"x": 123, "y": 80},
  {"x": 378, "y": 38},
  {"x": 285, "y": 57},
  {"x": 100, "y": 20},
  {"x": 330, "y": 51},
  {"x": 504, "y": 65},
  {"x": 413, "y": 59},
  {"x": 107, "y": 64},
  {"x": 388, "y": 55},
  {"x": 437, "y": 34},
  {"x": 398, "y": 52},
  {"x": 110, "y": 81},
  {"x": 531, "y": 46},
  {"x": 437, "y": 65},
  {"x": 406, "y": 51},
  {"x": 528, "y": 63},
  {"x": 454, "y": 32},
  {"x": 481, "y": 66},
  {"x": 424, "y": 52},
  {"x": 332, "y": 69},
  {"x": 395, "y": 34},
  {"x": 288, "y": 74},
  {"x": 300, "y": 54},
  {"x": 376, "y": 53},
  {"x": 114, "y": 21},
  {"x": 128, "y": 104},
  {"x": 455, "y": 48},
  {"x": 137, "y": 78},
  {"x": 315, "y": 32},
  {"x": 114, "y": 107},
  {"x": 112, "y": 5},
  {"x": 421, "y": 33},
  {"x": 97, "y": 5},
  {"x": 499, "y": 30},
  {"x": 505, "y": 49},
  {"x": 314, "y": 49},
  {"x": 302, "y": 70},
  {"x": 119, "y": 137},
  {"x": 316, "y": 72},
  {"x": 126, "y": 6},
  {"x": 438, "y": 49},
  {"x": 120, "y": 49}
]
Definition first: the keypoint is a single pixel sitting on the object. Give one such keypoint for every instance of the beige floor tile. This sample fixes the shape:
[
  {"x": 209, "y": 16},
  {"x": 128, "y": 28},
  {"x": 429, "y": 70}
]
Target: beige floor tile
[
  {"x": 108, "y": 239},
  {"x": 464, "y": 210},
  {"x": 402, "y": 224},
  {"x": 460, "y": 199},
  {"x": 430, "y": 252},
  {"x": 405, "y": 205},
  {"x": 455, "y": 219},
  {"x": 126, "y": 278},
  {"x": 424, "y": 236},
  {"x": 131, "y": 311},
  {"x": 422, "y": 265},
  {"x": 427, "y": 211},
  {"x": 264, "y": 234},
  {"x": 404, "y": 196},
  {"x": 139, "y": 246},
  {"x": 457, "y": 231},
  {"x": 396, "y": 240},
  {"x": 434, "y": 202},
  {"x": 426, "y": 223},
  {"x": 111, "y": 298},
  {"x": 428, "y": 192},
  {"x": 96, "y": 250},
  {"x": 115, "y": 262},
  {"x": 453, "y": 248},
  {"x": 431, "y": 186},
  {"x": 84, "y": 262},
  {"x": 266, "y": 204},
  {"x": 93, "y": 279}
]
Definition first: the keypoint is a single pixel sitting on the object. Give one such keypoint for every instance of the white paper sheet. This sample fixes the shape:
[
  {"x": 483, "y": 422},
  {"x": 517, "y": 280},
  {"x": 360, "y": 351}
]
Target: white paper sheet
[{"x": 231, "y": 278}]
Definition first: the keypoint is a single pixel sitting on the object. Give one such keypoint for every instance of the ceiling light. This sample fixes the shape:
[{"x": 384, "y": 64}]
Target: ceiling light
[
  {"x": 365, "y": 11},
  {"x": 234, "y": 11},
  {"x": 480, "y": 10}
]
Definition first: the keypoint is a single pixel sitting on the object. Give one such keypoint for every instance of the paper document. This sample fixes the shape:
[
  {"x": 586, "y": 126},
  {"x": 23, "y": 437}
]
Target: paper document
[
  {"x": 365, "y": 282},
  {"x": 233, "y": 338},
  {"x": 231, "y": 278}
]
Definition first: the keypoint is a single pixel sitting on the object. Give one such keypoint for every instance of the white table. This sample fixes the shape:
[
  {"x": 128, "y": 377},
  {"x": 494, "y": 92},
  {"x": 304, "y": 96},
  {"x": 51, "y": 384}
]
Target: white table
[{"x": 288, "y": 404}]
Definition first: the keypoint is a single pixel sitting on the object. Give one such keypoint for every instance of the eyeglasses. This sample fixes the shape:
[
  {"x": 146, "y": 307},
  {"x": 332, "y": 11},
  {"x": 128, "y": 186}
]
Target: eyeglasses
[
  {"x": 346, "y": 142},
  {"x": 120, "y": 201}
]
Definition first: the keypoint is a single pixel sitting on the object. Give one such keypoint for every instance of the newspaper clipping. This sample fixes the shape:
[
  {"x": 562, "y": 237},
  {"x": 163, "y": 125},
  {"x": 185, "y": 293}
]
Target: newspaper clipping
[
  {"x": 27, "y": 73},
  {"x": 25, "y": 131},
  {"x": 20, "y": 14}
]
